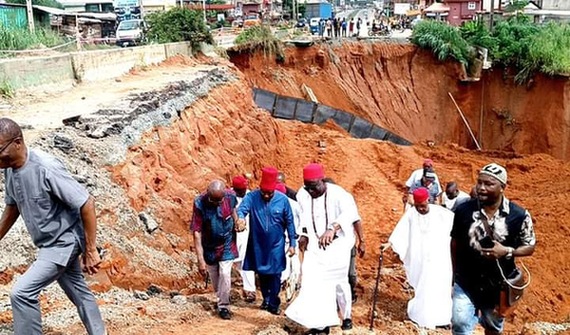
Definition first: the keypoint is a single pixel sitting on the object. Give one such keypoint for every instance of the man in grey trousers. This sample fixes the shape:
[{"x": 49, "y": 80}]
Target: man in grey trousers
[{"x": 60, "y": 217}]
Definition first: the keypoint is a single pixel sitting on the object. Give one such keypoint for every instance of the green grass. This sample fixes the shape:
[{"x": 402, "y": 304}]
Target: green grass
[
  {"x": 443, "y": 40},
  {"x": 515, "y": 42},
  {"x": 23, "y": 39},
  {"x": 6, "y": 89},
  {"x": 260, "y": 38}
]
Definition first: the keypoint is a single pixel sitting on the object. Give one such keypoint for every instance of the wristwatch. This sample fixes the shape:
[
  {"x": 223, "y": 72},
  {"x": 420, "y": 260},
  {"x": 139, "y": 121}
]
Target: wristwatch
[
  {"x": 334, "y": 227},
  {"x": 509, "y": 254}
]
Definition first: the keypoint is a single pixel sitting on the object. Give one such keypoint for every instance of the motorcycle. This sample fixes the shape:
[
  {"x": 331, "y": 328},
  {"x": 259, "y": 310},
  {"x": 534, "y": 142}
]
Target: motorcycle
[{"x": 379, "y": 31}]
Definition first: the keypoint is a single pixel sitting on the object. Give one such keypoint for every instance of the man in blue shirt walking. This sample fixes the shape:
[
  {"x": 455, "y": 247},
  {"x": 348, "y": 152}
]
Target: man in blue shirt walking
[{"x": 270, "y": 215}]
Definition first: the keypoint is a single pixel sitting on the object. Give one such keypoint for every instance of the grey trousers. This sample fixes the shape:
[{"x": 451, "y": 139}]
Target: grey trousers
[
  {"x": 221, "y": 275},
  {"x": 24, "y": 296}
]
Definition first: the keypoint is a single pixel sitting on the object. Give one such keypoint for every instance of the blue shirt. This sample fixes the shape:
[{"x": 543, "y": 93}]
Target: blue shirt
[
  {"x": 433, "y": 190},
  {"x": 267, "y": 221},
  {"x": 217, "y": 227}
]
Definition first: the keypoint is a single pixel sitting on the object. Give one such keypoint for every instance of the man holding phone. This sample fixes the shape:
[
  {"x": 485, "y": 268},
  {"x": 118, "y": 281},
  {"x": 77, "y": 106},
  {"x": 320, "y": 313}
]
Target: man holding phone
[{"x": 486, "y": 229}]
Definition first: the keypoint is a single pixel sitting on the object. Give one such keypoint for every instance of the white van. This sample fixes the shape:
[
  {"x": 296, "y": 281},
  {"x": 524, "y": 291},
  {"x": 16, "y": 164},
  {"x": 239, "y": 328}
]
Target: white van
[{"x": 130, "y": 32}]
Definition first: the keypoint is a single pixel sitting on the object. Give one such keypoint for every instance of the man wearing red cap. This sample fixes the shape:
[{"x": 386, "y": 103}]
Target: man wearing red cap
[
  {"x": 421, "y": 239},
  {"x": 327, "y": 216},
  {"x": 240, "y": 187},
  {"x": 270, "y": 215}
]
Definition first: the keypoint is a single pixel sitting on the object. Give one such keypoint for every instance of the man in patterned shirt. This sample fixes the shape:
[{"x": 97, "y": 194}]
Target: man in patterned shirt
[
  {"x": 477, "y": 282},
  {"x": 213, "y": 225}
]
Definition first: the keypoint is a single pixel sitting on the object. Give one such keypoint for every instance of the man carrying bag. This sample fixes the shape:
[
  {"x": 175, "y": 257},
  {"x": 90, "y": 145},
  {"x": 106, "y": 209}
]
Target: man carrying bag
[{"x": 488, "y": 233}]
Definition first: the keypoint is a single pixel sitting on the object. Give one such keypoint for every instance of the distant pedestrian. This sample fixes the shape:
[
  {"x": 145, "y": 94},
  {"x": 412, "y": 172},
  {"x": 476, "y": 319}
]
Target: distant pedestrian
[
  {"x": 213, "y": 225},
  {"x": 321, "y": 28},
  {"x": 351, "y": 27},
  {"x": 343, "y": 27},
  {"x": 60, "y": 217},
  {"x": 358, "y": 24}
]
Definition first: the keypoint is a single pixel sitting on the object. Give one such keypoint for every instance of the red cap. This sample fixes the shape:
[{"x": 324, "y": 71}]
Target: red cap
[
  {"x": 421, "y": 195},
  {"x": 239, "y": 182},
  {"x": 281, "y": 188},
  {"x": 428, "y": 162},
  {"x": 313, "y": 171},
  {"x": 268, "y": 179}
]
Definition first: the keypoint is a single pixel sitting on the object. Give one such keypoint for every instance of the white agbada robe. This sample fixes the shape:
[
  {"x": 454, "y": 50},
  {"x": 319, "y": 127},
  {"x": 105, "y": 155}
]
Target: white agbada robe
[
  {"x": 423, "y": 244},
  {"x": 293, "y": 266},
  {"x": 325, "y": 272},
  {"x": 247, "y": 277}
]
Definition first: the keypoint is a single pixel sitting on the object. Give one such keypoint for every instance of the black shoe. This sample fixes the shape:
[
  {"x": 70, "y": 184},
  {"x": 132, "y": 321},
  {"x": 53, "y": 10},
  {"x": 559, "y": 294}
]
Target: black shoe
[
  {"x": 314, "y": 331},
  {"x": 346, "y": 324},
  {"x": 264, "y": 305},
  {"x": 274, "y": 311},
  {"x": 224, "y": 314}
]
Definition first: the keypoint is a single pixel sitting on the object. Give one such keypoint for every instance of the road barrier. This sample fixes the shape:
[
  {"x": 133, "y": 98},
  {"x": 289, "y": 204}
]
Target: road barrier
[{"x": 289, "y": 108}]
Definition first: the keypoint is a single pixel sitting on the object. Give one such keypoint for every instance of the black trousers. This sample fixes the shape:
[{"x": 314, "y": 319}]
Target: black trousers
[{"x": 270, "y": 286}]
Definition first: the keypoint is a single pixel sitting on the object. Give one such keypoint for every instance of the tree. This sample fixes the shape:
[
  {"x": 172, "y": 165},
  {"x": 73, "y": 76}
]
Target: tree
[{"x": 177, "y": 25}]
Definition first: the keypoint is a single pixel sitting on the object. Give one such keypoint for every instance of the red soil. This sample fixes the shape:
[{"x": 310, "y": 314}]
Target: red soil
[
  {"x": 406, "y": 90},
  {"x": 223, "y": 135}
]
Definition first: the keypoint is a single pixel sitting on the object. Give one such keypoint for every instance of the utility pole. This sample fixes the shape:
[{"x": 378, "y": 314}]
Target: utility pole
[
  {"x": 204, "y": 9},
  {"x": 491, "y": 21},
  {"x": 30, "y": 11}
]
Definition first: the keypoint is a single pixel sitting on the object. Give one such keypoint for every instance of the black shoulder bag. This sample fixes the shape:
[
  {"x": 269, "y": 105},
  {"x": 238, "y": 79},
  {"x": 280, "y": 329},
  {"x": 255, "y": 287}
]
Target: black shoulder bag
[{"x": 513, "y": 286}]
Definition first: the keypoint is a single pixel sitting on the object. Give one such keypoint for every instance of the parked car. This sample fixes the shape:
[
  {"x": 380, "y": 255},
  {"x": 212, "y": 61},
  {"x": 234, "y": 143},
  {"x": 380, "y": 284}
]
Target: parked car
[
  {"x": 130, "y": 32},
  {"x": 251, "y": 20},
  {"x": 237, "y": 23}
]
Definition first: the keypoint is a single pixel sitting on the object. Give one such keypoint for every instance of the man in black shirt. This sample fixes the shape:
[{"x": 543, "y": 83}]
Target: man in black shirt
[
  {"x": 477, "y": 280},
  {"x": 291, "y": 193}
]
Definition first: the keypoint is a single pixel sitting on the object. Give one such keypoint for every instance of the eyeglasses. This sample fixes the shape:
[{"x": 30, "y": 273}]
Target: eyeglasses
[
  {"x": 8, "y": 144},
  {"x": 215, "y": 201},
  {"x": 311, "y": 187}
]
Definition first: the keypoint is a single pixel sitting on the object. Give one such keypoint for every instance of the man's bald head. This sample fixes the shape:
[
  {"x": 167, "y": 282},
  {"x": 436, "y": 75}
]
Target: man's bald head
[
  {"x": 216, "y": 193},
  {"x": 9, "y": 129},
  {"x": 216, "y": 186},
  {"x": 451, "y": 190}
]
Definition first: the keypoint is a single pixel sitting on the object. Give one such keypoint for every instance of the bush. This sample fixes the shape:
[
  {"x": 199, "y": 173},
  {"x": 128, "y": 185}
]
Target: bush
[
  {"x": 477, "y": 34},
  {"x": 22, "y": 39},
  {"x": 178, "y": 25},
  {"x": 444, "y": 40},
  {"x": 260, "y": 37},
  {"x": 512, "y": 38}
]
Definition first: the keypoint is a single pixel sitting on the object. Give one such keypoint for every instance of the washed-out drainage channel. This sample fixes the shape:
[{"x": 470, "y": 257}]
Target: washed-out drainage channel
[{"x": 290, "y": 108}]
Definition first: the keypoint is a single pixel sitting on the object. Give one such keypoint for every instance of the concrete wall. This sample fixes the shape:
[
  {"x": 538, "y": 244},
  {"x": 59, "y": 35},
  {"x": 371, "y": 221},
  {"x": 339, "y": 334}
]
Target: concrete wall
[
  {"x": 309, "y": 112},
  {"x": 86, "y": 65},
  {"x": 556, "y": 4},
  {"x": 34, "y": 71}
]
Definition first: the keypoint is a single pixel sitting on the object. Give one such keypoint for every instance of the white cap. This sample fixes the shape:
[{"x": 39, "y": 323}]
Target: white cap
[{"x": 496, "y": 171}]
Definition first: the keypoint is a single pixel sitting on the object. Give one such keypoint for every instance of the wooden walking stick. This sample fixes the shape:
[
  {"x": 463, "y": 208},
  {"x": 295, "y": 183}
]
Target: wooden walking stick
[{"x": 372, "y": 316}]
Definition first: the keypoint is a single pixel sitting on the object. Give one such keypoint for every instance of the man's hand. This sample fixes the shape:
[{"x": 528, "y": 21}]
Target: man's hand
[
  {"x": 303, "y": 242},
  {"x": 326, "y": 239},
  {"x": 496, "y": 252},
  {"x": 405, "y": 198},
  {"x": 291, "y": 252},
  {"x": 240, "y": 225},
  {"x": 360, "y": 247},
  {"x": 202, "y": 267},
  {"x": 91, "y": 261}
]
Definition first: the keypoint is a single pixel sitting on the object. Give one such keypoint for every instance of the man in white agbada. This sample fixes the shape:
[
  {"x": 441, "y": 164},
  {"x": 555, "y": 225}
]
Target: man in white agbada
[
  {"x": 327, "y": 215},
  {"x": 292, "y": 271},
  {"x": 239, "y": 185},
  {"x": 421, "y": 239}
]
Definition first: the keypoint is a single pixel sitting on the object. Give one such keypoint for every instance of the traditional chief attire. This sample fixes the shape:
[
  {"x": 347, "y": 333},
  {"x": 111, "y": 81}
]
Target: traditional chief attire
[
  {"x": 247, "y": 277},
  {"x": 50, "y": 202},
  {"x": 422, "y": 242},
  {"x": 325, "y": 271},
  {"x": 292, "y": 270},
  {"x": 266, "y": 244}
]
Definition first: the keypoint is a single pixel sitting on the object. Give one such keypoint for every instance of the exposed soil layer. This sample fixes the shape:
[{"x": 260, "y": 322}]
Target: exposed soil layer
[
  {"x": 405, "y": 90},
  {"x": 223, "y": 135}
]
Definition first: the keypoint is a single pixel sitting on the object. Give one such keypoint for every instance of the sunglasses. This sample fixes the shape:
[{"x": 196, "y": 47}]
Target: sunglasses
[
  {"x": 311, "y": 187},
  {"x": 215, "y": 201},
  {"x": 8, "y": 144}
]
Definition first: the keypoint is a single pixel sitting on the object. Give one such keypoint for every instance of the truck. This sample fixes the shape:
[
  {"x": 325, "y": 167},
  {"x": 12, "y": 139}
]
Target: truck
[{"x": 322, "y": 10}]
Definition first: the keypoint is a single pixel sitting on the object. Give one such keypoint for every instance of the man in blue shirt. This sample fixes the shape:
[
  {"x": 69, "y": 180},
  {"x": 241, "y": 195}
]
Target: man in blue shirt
[
  {"x": 213, "y": 225},
  {"x": 269, "y": 216}
]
